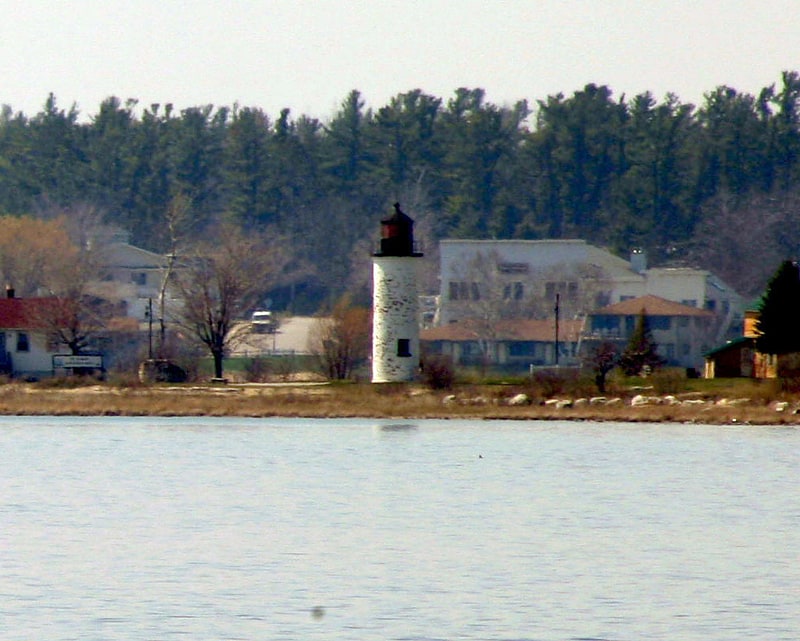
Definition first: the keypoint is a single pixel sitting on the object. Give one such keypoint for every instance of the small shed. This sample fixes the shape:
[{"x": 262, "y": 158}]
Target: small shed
[{"x": 735, "y": 359}]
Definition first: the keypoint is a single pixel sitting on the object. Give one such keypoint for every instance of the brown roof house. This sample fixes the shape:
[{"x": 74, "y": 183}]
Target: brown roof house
[
  {"x": 682, "y": 333},
  {"x": 506, "y": 344}
]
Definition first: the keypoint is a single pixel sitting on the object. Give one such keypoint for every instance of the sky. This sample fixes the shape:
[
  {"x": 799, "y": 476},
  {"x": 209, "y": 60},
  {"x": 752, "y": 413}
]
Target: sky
[{"x": 308, "y": 55}]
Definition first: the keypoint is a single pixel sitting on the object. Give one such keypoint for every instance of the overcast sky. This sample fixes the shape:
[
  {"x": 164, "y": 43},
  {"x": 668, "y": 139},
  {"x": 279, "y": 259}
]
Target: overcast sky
[{"x": 307, "y": 55}]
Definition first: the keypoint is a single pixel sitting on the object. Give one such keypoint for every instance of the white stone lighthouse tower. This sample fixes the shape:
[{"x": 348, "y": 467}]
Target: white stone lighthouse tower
[{"x": 395, "y": 314}]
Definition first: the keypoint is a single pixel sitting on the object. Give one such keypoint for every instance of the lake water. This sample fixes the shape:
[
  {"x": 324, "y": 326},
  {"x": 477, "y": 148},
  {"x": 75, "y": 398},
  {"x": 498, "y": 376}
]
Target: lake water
[{"x": 356, "y": 529}]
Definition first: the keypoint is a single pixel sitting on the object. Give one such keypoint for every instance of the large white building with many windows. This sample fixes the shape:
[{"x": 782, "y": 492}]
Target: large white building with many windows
[{"x": 503, "y": 279}]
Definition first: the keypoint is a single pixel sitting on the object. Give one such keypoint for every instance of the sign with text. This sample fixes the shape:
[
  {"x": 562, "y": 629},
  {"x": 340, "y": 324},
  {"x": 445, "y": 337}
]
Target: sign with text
[{"x": 71, "y": 361}]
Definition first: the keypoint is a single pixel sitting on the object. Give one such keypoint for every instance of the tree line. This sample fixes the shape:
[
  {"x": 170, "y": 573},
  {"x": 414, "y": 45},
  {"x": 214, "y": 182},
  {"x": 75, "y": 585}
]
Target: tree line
[{"x": 713, "y": 185}]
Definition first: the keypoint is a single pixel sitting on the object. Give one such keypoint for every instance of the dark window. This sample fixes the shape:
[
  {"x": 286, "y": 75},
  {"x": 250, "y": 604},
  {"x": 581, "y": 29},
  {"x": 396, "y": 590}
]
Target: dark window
[
  {"x": 659, "y": 322},
  {"x": 453, "y": 290},
  {"x": 22, "y": 342},
  {"x": 475, "y": 290},
  {"x": 403, "y": 347},
  {"x": 513, "y": 291},
  {"x": 512, "y": 268},
  {"x": 522, "y": 348},
  {"x": 139, "y": 278}
]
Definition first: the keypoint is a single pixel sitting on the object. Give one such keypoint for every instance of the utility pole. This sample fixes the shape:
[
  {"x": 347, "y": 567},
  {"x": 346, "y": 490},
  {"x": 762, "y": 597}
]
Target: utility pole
[
  {"x": 556, "y": 310},
  {"x": 150, "y": 328}
]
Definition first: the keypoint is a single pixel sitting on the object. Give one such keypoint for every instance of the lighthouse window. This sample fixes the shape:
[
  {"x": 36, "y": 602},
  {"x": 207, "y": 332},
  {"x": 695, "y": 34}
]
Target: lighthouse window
[{"x": 403, "y": 347}]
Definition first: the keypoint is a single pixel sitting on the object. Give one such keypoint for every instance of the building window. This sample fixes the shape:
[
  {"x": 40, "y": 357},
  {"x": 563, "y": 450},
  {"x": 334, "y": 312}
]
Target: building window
[
  {"x": 470, "y": 348},
  {"x": 139, "y": 278},
  {"x": 513, "y": 291},
  {"x": 522, "y": 348},
  {"x": 659, "y": 322},
  {"x": 22, "y": 342},
  {"x": 512, "y": 268},
  {"x": 453, "y": 290},
  {"x": 569, "y": 289},
  {"x": 403, "y": 347},
  {"x": 670, "y": 350},
  {"x": 689, "y": 302},
  {"x": 460, "y": 290}
]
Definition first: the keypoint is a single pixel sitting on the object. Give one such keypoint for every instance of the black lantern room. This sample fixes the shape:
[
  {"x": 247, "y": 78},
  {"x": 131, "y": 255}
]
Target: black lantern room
[{"x": 397, "y": 235}]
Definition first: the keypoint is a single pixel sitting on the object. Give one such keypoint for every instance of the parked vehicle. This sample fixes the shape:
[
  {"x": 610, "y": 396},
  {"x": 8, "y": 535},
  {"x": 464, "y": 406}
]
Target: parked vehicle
[{"x": 263, "y": 322}]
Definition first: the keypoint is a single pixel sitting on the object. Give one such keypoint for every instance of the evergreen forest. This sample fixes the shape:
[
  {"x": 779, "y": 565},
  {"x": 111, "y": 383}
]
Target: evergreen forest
[{"x": 714, "y": 185}]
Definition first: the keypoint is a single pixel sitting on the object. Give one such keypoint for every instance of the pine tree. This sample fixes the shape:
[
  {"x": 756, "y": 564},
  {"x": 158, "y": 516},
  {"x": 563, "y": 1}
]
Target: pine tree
[
  {"x": 641, "y": 352},
  {"x": 778, "y": 324}
]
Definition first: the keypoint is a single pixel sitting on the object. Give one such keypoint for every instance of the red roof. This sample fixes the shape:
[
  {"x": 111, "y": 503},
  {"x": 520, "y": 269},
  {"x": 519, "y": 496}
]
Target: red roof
[
  {"x": 26, "y": 313},
  {"x": 542, "y": 331},
  {"x": 652, "y": 306}
]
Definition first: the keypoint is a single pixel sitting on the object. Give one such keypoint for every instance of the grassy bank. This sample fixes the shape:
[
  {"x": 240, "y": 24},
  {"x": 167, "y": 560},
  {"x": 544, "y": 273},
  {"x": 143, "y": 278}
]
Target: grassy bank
[{"x": 738, "y": 402}]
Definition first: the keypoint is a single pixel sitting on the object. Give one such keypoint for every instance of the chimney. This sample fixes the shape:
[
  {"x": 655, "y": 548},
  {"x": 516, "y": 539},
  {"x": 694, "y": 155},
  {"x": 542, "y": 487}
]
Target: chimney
[
  {"x": 9, "y": 291},
  {"x": 638, "y": 260}
]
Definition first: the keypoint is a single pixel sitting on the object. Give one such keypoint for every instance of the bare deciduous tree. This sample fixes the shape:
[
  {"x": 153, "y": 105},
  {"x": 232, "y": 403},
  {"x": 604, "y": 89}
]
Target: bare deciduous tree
[
  {"x": 743, "y": 239},
  {"x": 601, "y": 359},
  {"x": 220, "y": 280},
  {"x": 177, "y": 220}
]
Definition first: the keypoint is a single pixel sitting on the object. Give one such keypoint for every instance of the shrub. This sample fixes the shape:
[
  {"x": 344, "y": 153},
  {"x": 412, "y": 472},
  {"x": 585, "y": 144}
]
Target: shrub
[
  {"x": 438, "y": 372},
  {"x": 547, "y": 383},
  {"x": 669, "y": 381}
]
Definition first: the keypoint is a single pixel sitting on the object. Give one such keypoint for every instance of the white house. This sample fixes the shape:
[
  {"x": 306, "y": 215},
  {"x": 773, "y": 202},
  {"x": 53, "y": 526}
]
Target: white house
[
  {"x": 132, "y": 275},
  {"x": 26, "y": 347},
  {"x": 524, "y": 278}
]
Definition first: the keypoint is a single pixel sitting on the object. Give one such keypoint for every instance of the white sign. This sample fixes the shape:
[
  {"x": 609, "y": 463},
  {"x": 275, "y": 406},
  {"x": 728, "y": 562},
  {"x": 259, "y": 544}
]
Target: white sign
[{"x": 71, "y": 361}]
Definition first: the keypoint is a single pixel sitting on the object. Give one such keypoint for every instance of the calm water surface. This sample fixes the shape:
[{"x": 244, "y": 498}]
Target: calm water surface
[{"x": 321, "y": 529}]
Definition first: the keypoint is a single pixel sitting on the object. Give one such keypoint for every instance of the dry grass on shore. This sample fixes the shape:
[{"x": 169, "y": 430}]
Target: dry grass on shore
[{"x": 356, "y": 400}]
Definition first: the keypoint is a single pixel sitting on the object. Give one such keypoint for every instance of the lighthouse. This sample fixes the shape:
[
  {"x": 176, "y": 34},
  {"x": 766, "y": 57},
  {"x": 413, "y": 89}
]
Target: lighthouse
[{"x": 395, "y": 313}]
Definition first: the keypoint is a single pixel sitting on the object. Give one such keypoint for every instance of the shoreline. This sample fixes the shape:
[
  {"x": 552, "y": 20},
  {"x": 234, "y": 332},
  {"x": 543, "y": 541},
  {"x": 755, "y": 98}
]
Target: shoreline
[{"x": 293, "y": 400}]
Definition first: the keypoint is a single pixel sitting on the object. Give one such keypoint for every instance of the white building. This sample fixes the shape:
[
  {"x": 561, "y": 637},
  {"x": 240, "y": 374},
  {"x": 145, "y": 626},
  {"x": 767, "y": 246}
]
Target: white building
[
  {"x": 26, "y": 344},
  {"x": 134, "y": 275},
  {"x": 523, "y": 279}
]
